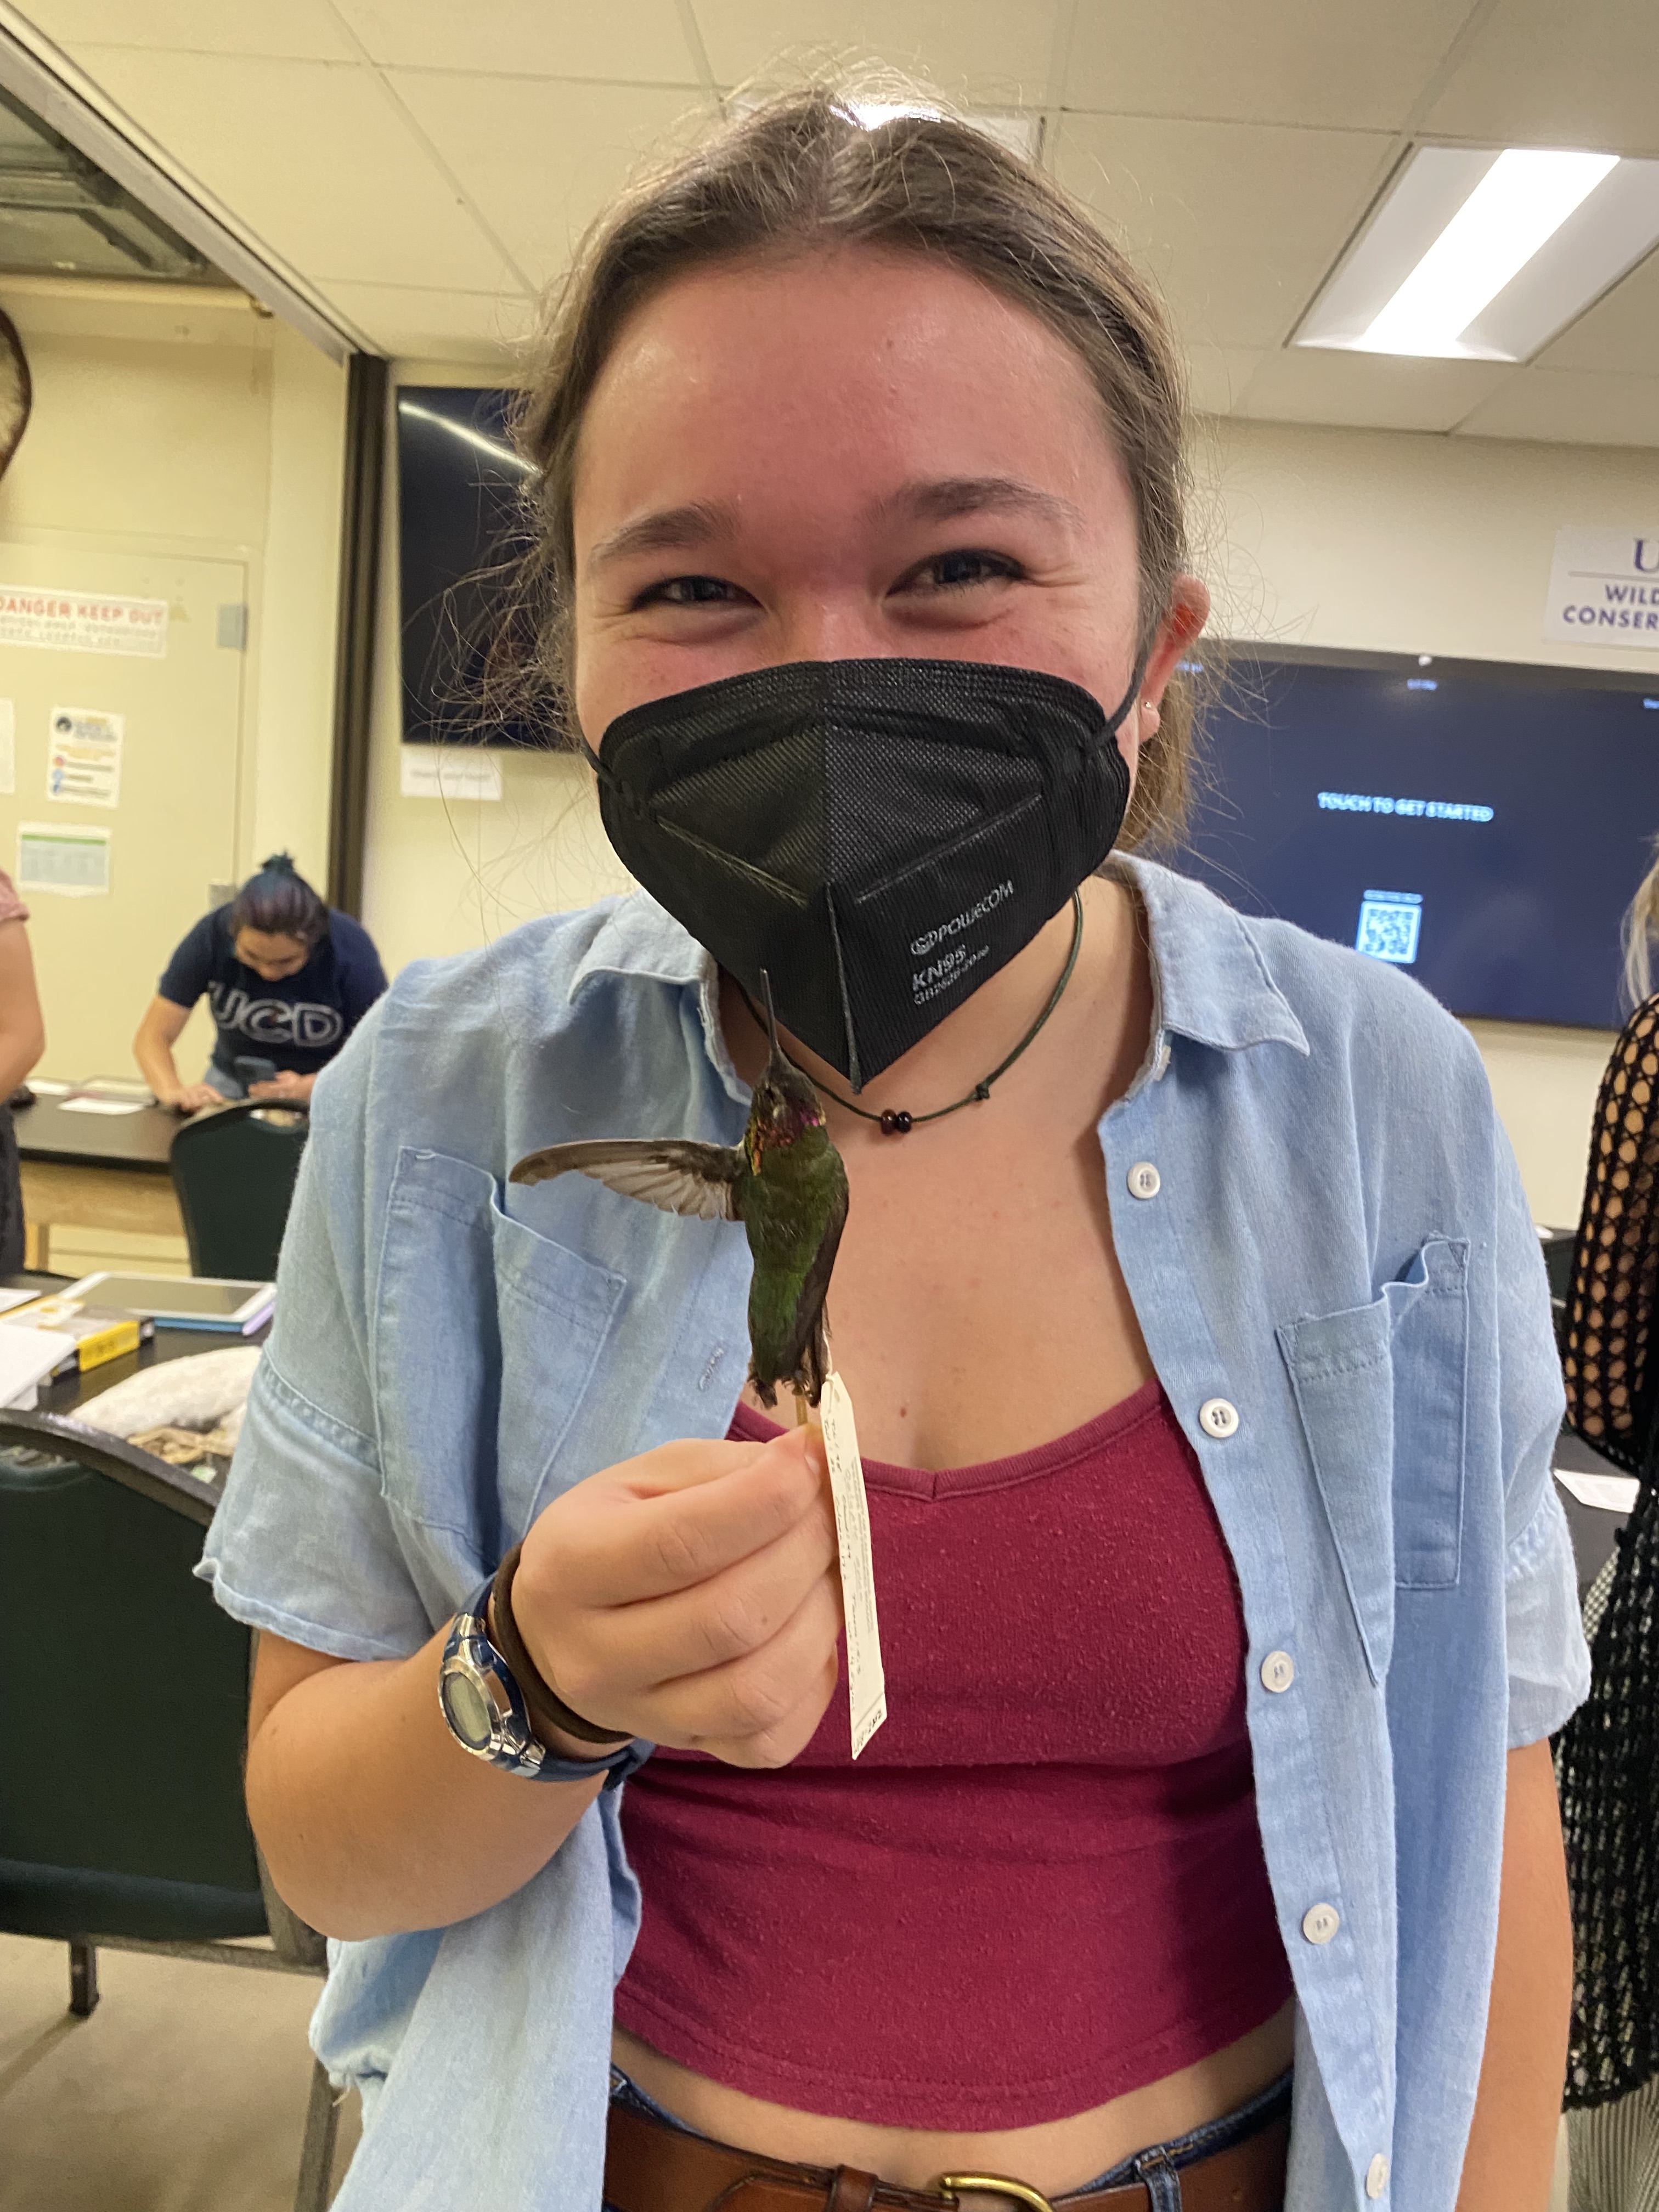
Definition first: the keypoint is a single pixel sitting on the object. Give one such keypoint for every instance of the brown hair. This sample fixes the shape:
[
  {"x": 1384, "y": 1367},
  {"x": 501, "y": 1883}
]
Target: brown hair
[{"x": 800, "y": 171}]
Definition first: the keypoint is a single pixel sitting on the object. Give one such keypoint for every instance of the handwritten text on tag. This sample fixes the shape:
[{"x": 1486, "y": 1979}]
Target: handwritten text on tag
[{"x": 866, "y": 1685}]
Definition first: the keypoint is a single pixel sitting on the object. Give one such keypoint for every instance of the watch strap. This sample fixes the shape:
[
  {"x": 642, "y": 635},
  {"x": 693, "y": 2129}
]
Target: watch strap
[
  {"x": 542, "y": 1701},
  {"x": 518, "y": 1749}
]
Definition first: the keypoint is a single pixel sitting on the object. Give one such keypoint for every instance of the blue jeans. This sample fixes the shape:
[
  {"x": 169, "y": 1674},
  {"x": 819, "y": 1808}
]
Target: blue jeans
[{"x": 1158, "y": 2166}]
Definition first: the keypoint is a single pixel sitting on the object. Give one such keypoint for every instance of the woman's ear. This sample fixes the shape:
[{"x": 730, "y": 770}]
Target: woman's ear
[{"x": 1183, "y": 620}]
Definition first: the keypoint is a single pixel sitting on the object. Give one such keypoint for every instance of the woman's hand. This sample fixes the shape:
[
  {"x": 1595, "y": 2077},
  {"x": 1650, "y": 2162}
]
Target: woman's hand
[
  {"x": 690, "y": 1597},
  {"x": 190, "y": 1097},
  {"x": 287, "y": 1090}
]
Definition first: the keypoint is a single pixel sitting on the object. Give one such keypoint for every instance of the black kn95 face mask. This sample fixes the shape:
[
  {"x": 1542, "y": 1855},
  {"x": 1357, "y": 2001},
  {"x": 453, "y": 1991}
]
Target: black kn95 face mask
[{"x": 880, "y": 835}]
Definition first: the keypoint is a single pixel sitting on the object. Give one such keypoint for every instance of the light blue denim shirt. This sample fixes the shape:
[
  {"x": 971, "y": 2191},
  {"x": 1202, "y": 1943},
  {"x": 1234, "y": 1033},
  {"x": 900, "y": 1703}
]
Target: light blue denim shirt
[{"x": 1336, "y": 1248}]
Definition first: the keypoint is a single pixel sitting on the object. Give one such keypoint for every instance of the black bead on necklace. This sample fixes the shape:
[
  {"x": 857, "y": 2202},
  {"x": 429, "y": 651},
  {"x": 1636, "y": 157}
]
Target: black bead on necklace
[{"x": 896, "y": 1122}]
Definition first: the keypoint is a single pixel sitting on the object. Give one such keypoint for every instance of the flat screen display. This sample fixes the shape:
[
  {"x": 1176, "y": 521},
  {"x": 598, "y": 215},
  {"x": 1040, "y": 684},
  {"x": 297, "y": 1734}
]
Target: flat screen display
[
  {"x": 1480, "y": 824},
  {"x": 458, "y": 530}
]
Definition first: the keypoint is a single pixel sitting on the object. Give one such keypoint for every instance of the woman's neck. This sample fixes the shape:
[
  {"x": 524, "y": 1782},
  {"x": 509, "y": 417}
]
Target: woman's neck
[{"x": 1108, "y": 999}]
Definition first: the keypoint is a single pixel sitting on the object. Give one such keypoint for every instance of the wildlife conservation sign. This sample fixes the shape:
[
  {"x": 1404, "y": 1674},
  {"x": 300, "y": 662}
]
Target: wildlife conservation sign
[{"x": 1604, "y": 588}]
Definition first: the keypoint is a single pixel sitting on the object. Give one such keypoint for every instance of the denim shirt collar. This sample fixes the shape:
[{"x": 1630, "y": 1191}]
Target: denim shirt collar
[{"x": 1209, "y": 980}]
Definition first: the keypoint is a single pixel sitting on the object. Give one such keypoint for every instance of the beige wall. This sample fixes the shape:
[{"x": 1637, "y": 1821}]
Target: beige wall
[{"x": 185, "y": 423}]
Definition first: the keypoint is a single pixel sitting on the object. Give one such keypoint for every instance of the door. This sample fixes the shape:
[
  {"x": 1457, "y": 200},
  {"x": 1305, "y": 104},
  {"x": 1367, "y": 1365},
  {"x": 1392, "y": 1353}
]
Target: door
[{"x": 173, "y": 829}]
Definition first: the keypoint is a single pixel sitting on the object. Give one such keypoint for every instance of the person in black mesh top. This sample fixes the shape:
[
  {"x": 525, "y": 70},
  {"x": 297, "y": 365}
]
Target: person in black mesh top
[{"x": 1608, "y": 1756}]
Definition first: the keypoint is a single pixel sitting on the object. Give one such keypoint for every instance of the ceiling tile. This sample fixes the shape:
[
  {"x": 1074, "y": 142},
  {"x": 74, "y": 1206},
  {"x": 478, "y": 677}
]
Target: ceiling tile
[
  {"x": 1305, "y": 383},
  {"x": 643, "y": 43},
  {"x": 416, "y": 325},
  {"x": 1334, "y": 63},
  {"x": 302, "y": 30},
  {"x": 1621, "y": 333},
  {"x": 311, "y": 156},
  {"x": 540, "y": 159},
  {"x": 989, "y": 51},
  {"x": 1542, "y": 74},
  {"x": 1217, "y": 376},
  {"x": 1238, "y": 222},
  {"x": 1571, "y": 407}
]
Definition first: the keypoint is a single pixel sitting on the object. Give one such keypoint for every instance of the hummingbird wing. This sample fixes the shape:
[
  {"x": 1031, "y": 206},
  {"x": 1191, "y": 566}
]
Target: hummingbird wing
[{"x": 674, "y": 1173}]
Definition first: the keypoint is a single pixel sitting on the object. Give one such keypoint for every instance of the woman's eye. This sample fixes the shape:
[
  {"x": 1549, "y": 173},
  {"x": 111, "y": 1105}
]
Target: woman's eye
[
  {"x": 952, "y": 572},
  {"x": 689, "y": 592}
]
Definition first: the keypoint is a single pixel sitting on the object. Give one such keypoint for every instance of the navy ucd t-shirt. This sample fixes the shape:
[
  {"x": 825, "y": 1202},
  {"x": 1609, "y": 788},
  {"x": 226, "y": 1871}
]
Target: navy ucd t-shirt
[{"x": 300, "y": 1023}]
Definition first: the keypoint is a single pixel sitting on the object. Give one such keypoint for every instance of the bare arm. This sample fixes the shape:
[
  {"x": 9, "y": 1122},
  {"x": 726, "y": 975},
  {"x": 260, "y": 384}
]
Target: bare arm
[
  {"x": 160, "y": 1031},
  {"x": 1511, "y": 2153},
  {"x": 371, "y": 1816},
  {"x": 696, "y": 1600},
  {"x": 22, "y": 1032}
]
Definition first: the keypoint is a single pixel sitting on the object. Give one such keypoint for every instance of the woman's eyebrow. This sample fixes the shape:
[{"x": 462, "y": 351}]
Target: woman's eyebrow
[
  {"x": 943, "y": 499},
  {"x": 671, "y": 529}
]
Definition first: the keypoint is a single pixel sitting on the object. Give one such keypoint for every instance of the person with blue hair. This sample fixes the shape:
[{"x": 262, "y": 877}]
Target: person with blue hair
[{"x": 287, "y": 977}]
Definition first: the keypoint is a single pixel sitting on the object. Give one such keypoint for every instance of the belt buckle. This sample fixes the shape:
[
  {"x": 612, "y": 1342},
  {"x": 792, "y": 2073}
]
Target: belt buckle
[{"x": 994, "y": 2184}]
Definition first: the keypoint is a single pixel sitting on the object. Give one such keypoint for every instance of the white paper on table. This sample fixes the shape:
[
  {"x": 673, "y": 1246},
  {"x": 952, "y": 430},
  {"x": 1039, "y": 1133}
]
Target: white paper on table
[
  {"x": 867, "y": 1682},
  {"x": 10, "y": 1299},
  {"x": 1610, "y": 1493},
  {"x": 103, "y": 1106},
  {"x": 47, "y": 1086},
  {"x": 27, "y": 1356}
]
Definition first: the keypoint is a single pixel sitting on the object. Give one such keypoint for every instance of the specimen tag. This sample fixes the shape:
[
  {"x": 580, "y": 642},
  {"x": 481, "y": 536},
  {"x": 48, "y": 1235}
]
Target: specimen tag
[{"x": 866, "y": 1685}]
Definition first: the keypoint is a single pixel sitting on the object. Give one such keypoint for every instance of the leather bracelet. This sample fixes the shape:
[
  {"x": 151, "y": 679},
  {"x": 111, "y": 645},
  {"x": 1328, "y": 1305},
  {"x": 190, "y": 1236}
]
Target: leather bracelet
[{"x": 542, "y": 1701}]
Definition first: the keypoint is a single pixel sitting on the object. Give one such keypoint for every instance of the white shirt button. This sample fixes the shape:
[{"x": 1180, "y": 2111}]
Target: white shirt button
[
  {"x": 1144, "y": 1181},
  {"x": 1278, "y": 1671},
  {"x": 1320, "y": 1922},
  {"x": 1217, "y": 1417},
  {"x": 1376, "y": 2176}
]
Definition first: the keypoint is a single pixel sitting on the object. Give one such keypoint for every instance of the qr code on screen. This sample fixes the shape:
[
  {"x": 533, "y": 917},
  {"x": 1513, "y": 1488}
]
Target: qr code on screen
[{"x": 1388, "y": 929}]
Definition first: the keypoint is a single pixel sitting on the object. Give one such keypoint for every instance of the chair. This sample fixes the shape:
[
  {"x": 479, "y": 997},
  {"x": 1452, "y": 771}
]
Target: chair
[
  {"x": 232, "y": 1172},
  {"x": 123, "y": 1721}
]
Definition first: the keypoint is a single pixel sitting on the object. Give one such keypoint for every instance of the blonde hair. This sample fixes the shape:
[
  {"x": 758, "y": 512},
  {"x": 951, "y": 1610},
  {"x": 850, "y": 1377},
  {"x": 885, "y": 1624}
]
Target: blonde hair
[
  {"x": 800, "y": 171},
  {"x": 1641, "y": 925}
]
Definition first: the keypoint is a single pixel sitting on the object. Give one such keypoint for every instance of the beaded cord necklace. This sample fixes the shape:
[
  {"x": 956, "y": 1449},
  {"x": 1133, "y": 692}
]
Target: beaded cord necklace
[{"x": 895, "y": 1121}]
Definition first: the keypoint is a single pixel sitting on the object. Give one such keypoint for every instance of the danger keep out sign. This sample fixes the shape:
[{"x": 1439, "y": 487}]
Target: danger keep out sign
[{"x": 83, "y": 621}]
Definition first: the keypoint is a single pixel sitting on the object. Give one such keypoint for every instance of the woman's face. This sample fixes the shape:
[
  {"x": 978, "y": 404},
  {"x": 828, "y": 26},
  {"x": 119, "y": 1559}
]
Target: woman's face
[
  {"x": 849, "y": 455},
  {"x": 270, "y": 953}
]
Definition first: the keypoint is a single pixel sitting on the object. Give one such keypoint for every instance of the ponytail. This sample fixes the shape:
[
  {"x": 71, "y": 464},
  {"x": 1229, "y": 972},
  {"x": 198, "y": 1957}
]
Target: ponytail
[{"x": 278, "y": 901}]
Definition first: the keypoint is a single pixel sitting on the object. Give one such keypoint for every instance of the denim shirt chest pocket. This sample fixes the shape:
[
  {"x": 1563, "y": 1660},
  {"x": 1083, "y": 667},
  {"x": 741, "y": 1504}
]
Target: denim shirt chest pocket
[
  {"x": 1380, "y": 1389},
  {"x": 486, "y": 1339}
]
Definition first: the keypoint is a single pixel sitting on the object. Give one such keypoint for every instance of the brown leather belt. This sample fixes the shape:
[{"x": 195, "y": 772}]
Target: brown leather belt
[{"x": 652, "y": 2167}]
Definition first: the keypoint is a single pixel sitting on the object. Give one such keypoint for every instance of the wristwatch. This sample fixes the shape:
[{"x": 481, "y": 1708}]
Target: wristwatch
[{"x": 486, "y": 1715}]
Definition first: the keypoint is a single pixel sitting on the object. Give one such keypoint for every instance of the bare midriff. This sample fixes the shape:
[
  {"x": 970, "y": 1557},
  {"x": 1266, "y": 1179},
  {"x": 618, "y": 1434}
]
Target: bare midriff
[{"x": 1054, "y": 2156}]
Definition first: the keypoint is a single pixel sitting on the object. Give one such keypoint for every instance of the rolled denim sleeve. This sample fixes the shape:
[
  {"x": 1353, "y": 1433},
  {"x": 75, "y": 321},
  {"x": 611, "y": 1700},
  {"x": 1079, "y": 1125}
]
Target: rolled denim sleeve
[
  {"x": 1548, "y": 1661},
  {"x": 303, "y": 1543}
]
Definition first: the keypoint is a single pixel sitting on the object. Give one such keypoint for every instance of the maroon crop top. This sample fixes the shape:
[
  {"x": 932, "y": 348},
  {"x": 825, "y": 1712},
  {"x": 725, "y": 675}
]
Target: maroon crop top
[{"x": 1043, "y": 1885}]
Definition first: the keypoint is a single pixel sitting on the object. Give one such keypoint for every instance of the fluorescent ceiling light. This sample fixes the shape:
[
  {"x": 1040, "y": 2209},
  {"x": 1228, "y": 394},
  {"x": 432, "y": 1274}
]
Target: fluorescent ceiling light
[
  {"x": 1019, "y": 134},
  {"x": 1522, "y": 200},
  {"x": 1482, "y": 255}
]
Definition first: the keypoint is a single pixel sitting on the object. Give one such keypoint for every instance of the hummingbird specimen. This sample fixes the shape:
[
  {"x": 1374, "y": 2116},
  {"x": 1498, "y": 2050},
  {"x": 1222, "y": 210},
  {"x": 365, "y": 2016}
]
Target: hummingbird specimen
[{"x": 784, "y": 1182}]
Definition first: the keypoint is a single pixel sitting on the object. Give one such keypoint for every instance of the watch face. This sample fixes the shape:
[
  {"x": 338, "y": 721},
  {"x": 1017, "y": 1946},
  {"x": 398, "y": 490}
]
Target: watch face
[{"x": 471, "y": 1714}]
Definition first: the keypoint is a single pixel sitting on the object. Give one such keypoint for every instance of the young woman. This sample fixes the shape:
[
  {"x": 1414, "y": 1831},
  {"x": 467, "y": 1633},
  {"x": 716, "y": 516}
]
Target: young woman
[
  {"x": 288, "y": 980},
  {"x": 1202, "y": 1359}
]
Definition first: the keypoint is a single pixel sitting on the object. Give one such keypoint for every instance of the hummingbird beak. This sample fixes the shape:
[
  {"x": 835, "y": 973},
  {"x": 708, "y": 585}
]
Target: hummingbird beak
[{"x": 776, "y": 1059}]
